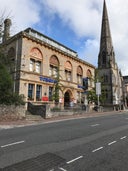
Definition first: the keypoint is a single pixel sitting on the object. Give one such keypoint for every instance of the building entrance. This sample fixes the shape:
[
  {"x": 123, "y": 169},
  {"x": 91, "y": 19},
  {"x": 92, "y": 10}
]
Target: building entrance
[{"x": 67, "y": 99}]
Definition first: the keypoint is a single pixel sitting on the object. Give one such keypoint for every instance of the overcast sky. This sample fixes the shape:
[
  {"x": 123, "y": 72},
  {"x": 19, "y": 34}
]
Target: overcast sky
[{"x": 74, "y": 23}]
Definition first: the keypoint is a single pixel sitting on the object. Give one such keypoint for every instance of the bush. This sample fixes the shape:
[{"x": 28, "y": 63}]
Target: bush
[
  {"x": 13, "y": 98},
  {"x": 7, "y": 97},
  {"x": 55, "y": 109}
]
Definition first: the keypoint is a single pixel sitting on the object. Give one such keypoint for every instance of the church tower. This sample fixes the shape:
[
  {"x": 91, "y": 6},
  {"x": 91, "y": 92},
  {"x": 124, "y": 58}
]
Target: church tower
[{"x": 108, "y": 72}]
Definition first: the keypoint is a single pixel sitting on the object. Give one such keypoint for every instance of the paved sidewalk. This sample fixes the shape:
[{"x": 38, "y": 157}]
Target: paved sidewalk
[{"x": 20, "y": 123}]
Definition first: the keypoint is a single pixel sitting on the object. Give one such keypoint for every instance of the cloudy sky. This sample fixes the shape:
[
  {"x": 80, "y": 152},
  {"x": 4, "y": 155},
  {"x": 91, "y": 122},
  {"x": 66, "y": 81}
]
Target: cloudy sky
[{"x": 74, "y": 23}]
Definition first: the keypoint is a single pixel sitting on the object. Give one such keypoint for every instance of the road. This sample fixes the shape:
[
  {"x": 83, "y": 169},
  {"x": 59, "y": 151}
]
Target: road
[{"x": 86, "y": 144}]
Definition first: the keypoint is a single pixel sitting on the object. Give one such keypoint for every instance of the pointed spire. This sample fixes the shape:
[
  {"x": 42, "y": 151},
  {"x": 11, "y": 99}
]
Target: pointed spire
[
  {"x": 106, "y": 46},
  {"x": 106, "y": 40}
]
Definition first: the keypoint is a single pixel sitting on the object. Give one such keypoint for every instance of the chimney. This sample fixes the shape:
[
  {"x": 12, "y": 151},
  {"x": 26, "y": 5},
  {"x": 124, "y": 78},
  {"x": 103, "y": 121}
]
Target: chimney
[{"x": 7, "y": 24}]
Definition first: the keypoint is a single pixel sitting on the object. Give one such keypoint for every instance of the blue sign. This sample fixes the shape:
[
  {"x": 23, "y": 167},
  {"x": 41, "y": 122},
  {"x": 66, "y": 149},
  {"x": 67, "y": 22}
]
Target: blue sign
[
  {"x": 47, "y": 79},
  {"x": 79, "y": 86}
]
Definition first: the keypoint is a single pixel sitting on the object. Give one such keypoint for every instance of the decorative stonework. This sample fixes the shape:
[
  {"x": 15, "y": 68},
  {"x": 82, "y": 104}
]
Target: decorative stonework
[
  {"x": 36, "y": 53},
  {"x": 68, "y": 65},
  {"x": 79, "y": 70},
  {"x": 54, "y": 61}
]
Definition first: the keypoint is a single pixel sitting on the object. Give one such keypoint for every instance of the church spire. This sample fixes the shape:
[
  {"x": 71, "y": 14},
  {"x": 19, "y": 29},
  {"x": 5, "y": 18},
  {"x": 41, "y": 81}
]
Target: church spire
[{"x": 106, "y": 54}]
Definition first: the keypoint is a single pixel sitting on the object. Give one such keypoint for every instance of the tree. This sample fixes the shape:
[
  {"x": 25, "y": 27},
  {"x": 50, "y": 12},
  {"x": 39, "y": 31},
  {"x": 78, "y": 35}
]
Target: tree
[
  {"x": 91, "y": 96},
  {"x": 57, "y": 85},
  {"x": 6, "y": 84}
]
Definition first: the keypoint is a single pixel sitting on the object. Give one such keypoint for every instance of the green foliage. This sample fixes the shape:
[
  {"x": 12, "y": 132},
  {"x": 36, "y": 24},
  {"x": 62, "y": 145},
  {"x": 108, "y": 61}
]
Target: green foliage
[
  {"x": 91, "y": 96},
  {"x": 6, "y": 85},
  {"x": 5, "y": 81},
  {"x": 55, "y": 109},
  {"x": 57, "y": 86}
]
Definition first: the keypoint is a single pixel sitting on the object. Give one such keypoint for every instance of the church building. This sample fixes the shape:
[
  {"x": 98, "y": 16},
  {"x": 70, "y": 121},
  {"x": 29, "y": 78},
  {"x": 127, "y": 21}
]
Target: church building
[{"x": 108, "y": 71}]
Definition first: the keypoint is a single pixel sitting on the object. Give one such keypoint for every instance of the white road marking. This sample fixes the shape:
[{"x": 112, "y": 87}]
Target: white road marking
[
  {"x": 126, "y": 118},
  {"x": 97, "y": 149},
  {"x": 15, "y": 143},
  {"x": 113, "y": 142},
  {"x": 62, "y": 169},
  {"x": 95, "y": 125},
  {"x": 123, "y": 137},
  {"x": 71, "y": 161}
]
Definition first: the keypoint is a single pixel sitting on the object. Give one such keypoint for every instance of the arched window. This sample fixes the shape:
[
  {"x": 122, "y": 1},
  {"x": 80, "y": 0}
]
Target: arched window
[
  {"x": 11, "y": 52},
  {"x": 54, "y": 64},
  {"x": 79, "y": 74},
  {"x": 35, "y": 60},
  {"x": 11, "y": 56},
  {"x": 89, "y": 75},
  {"x": 106, "y": 78},
  {"x": 68, "y": 71}
]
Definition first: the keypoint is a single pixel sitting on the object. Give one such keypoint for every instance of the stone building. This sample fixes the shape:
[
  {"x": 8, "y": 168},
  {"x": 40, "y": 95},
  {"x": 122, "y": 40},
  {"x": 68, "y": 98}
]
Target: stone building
[
  {"x": 34, "y": 61},
  {"x": 125, "y": 90},
  {"x": 108, "y": 71}
]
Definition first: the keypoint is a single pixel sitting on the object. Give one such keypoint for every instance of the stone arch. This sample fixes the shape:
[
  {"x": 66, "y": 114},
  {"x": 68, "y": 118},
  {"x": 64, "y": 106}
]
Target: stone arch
[
  {"x": 68, "y": 96},
  {"x": 89, "y": 73},
  {"x": 68, "y": 65},
  {"x": 36, "y": 53},
  {"x": 79, "y": 70},
  {"x": 54, "y": 60}
]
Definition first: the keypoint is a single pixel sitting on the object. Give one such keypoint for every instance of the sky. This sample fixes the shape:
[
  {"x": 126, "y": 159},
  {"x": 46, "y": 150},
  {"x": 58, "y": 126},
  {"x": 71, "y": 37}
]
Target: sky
[{"x": 74, "y": 23}]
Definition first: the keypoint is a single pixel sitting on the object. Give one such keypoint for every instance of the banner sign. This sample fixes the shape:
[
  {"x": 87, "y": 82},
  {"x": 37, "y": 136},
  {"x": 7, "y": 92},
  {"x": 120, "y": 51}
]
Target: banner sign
[
  {"x": 98, "y": 88},
  {"x": 47, "y": 79}
]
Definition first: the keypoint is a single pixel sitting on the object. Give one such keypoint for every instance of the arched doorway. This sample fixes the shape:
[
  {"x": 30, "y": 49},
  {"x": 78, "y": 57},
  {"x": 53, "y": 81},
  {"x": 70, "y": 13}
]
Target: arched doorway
[{"x": 67, "y": 98}]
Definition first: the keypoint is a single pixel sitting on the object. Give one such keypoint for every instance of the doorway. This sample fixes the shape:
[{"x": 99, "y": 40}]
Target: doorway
[{"x": 67, "y": 99}]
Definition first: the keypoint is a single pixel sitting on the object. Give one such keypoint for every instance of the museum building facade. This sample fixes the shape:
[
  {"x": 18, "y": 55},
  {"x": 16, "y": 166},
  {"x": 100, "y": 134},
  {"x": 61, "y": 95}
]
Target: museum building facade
[{"x": 35, "y": 59}]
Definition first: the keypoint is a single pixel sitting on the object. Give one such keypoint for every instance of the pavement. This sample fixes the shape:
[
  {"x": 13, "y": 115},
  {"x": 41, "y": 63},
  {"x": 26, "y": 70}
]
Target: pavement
[{"x": 27, "y": 122}]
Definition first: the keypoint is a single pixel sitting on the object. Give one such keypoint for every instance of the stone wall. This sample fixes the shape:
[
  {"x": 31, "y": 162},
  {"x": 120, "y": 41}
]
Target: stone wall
[
  {"x": 12, "y": 112},
  {"x": 36, "y": 109}
]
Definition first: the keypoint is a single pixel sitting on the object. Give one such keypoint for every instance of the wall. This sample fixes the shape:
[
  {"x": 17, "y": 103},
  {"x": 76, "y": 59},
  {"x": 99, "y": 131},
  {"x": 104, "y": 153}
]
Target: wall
[{"x": 12, "y": 112}]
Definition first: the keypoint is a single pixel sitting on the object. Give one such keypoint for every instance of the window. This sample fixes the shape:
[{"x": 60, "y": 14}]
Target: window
[
  {"x": 31, "y": 66},
  {"x": 68, "y": 75},
  {"x": 85, "y": 83},
  {"x": 105, "y": 78},
  {"x": 79, "y": 74},
  {"x": 79, "y": 79},
  {"x": 50, "y": 93},
  {"x": 68, "y": 71},
  {"x": 35, "y": 66},
  {"x": 54, "y": 64},
  {"x": 50, "y": 70},
  {"x": 38, "y": 92},
  {"x": 38, "y": 66},
  {"x": 89, "y": 75},
  {"x": 53, "y": 71},
  {"x": 31, "y": 91}
]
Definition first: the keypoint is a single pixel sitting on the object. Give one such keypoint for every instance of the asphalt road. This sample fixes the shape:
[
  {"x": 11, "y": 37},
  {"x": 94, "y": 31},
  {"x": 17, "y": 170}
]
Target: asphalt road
[{"x": 87, "y": 144}]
